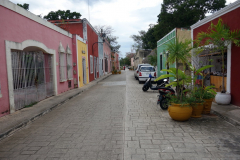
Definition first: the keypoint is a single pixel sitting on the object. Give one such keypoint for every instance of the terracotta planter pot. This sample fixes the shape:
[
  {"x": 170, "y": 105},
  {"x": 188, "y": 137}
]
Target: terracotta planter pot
[
  {"x": 197, "y": 110},
  {"x": 207, "y": 106},
  {"x": 180, "y": 112}
]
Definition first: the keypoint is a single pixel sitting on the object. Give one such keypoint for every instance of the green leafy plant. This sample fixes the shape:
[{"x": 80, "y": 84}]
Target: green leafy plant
[{"x": 220, "y": 36}]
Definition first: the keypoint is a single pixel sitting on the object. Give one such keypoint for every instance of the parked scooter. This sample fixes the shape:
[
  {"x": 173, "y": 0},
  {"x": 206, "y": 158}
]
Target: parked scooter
[
  {"x": 162, "y": 97},
  {"x": 148, "y": 84}
]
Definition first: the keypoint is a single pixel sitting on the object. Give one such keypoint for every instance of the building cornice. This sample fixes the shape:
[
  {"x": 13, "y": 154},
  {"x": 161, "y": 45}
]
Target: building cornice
[
  {"x": 217, "y": 14},
  {"x": 13, "y": 7}
]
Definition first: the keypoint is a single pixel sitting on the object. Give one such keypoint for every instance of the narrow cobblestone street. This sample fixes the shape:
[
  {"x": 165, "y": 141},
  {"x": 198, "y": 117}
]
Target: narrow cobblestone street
[{"x": 116, "y": 120}]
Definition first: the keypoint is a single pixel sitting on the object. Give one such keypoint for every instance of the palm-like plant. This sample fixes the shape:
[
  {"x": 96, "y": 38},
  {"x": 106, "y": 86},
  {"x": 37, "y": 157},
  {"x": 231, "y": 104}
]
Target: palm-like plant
[
  {"x": 220, "y": 36},
  {"x": 179, "y": 51}
]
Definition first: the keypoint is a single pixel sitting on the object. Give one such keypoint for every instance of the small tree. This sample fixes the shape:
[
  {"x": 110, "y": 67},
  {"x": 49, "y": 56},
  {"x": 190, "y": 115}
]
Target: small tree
[
  {"x": 179, "y": 51},
  {"x": 220, "y": 36}
]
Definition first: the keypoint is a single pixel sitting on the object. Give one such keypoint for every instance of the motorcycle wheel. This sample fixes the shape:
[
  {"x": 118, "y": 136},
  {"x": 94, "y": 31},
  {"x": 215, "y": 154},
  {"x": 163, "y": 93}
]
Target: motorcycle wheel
[
  {"x": 164, "y": 104},
  {"x": 145, "y": 88}
]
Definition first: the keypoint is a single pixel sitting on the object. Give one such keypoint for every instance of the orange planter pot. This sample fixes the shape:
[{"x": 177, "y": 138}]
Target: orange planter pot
[
  {"x": 180, "y": 112},
  {"x": 207, "y": 106},
  {"x": 197, "y": 110}
]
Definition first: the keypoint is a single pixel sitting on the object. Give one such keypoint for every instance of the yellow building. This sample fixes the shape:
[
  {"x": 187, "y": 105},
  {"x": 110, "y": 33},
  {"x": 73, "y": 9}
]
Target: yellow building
[{"x": 82, "y": 56}]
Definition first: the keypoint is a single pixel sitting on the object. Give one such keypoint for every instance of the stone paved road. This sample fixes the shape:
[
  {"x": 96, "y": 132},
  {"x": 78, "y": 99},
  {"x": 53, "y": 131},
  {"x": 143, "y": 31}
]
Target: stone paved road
[
  {"x": 88, "y": 127},
  {"x": 151, "y": 134},
  {"x": 116, "y": 120}
]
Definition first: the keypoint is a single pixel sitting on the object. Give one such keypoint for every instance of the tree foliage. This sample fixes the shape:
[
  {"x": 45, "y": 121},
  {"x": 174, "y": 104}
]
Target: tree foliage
[
  {"x": 175, "y": 14},
  {"x": 107, "y": 32},
  {"x": 125, "y": 61},
  {"x": 61, "y": 14},
  {"x": 25, "y": 6}
]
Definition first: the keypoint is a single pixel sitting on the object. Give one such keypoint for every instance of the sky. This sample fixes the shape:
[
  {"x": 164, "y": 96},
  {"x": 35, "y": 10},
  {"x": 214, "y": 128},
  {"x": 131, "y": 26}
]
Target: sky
[{"x": 126, "y": 17}]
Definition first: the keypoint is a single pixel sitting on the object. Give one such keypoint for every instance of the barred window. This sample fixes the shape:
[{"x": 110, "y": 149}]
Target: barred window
[
  {"x": 62, "y": 66},
  {"x": 69, "y": 64},
  {"x": 91, "y": 63},
  {"x": 69, "y": 67}
]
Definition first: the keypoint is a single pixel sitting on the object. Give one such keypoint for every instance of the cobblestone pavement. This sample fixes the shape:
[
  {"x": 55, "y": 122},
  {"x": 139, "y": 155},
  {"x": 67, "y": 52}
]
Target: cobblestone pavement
[
  {"x": 116, "y": 120},
  {"x": 88, "y": 127},
  {"x": 151, "y": 134}
]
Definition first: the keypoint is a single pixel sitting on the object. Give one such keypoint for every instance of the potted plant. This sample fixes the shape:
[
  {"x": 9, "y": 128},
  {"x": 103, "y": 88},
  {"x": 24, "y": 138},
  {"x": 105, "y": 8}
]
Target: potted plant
[
  {"x": 220, "y": 36},
  {"x": 198, "y": 92},
  {"x": 208, "y": 97},
  {"x": 179, "y": 105},
  {"x": 178, "y": 51}
]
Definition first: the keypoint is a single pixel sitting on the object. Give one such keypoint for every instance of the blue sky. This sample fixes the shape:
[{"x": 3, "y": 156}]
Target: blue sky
[{"x": 126, "y": 17}]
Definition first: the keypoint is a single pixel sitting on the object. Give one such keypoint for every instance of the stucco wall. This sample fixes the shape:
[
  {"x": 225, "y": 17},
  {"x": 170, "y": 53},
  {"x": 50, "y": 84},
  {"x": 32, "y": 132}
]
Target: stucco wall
[
  {"x": 107, "y": 54},
  {"x": 18, "y": 28},
  {"x": 92, "y": 38},
  {"x": 82, "y": 47},
  {"x": 232, "y": 19},
  {"x": 100, "y": 54}
]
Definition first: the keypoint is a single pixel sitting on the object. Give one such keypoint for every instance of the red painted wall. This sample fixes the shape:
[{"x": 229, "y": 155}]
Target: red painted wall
[
  {"x": 17, "y": 28},
  {"x": 77, "y": 28},
  {"x": 232, "y": 19},
  {"x": 92, "y": 38}
]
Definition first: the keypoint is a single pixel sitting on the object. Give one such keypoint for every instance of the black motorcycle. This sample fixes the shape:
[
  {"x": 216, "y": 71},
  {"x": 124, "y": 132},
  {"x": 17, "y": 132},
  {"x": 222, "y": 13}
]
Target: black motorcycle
[
  {"x": 163, "y": 96},
  {"x": 148, "y": 84}
]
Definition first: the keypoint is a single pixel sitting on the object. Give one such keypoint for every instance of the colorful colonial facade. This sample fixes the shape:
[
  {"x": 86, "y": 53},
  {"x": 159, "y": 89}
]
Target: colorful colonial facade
[
  {"x": 230, "y": 16},
  {"x": 35, "y": 57}
]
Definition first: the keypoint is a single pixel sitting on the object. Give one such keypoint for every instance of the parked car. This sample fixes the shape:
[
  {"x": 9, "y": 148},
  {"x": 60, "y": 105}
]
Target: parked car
[
  {"x": 144, "y": 72},
  {"x": 137, "y": 70}
]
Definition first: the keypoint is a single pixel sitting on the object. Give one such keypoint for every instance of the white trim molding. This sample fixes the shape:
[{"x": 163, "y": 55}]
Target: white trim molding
[
  {"x": 229, "y": 65},
  {"x": 21, "y": 46},
  {"x": 217, "y": 14},
  {"x": 12, "y": 6}
]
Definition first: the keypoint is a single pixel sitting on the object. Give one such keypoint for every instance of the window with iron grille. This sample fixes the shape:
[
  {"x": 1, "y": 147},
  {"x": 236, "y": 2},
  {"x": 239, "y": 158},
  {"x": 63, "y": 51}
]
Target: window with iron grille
[
  {"x": 69, "y": 67},
  {"x": 62, "y": 66},
  {"x": 91, "y": 64}
]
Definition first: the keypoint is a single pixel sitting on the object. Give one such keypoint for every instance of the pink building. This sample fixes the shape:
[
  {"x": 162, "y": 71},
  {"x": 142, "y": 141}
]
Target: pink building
[
  {"x": 107, "y": 66},
  {"x": 35, "y": 57}
]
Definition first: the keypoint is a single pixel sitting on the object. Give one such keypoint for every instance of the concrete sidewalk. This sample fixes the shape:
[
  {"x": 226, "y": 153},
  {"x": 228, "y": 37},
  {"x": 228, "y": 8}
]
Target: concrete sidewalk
[
  {"x": 15, "y": 121},
  {"x": 229, "y": 113}
]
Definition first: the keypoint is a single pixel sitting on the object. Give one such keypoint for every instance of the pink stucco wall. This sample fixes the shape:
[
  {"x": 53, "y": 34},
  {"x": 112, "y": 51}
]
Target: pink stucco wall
[
  {"x": 107, "y": 52},
  {"x": 17, "y": 28}
]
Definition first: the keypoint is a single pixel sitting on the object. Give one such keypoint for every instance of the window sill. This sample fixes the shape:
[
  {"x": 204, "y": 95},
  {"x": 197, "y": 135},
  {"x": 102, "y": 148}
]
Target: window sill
[
  {"x": 63, "y": 80},
  {"x": 69, "y": 79}
]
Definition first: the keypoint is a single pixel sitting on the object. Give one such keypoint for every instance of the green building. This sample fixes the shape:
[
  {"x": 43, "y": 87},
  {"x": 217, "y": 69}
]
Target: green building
[{"x": 162, "y": 54}]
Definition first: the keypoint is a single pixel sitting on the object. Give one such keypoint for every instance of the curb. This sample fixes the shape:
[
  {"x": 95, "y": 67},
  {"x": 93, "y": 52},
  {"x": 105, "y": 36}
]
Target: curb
[
  {"x": 226, "y": 118},
  {"x": 31, "y": 119}
]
